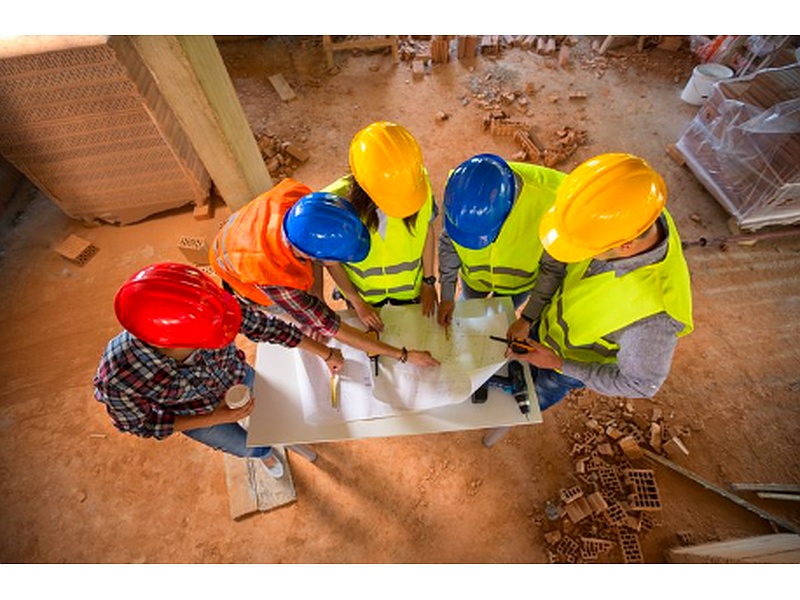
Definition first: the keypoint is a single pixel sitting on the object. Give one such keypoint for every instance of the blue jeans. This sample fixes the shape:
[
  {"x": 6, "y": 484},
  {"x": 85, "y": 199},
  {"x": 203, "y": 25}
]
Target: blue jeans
[
  {"x": 551, "y": 386},
  {"x": 230, "y": 437},
  {"x": 467, "y": 293}
]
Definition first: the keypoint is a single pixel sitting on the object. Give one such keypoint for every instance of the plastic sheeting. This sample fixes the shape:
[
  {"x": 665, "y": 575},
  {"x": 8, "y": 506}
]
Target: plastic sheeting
[{"x": 744, "y": 146}]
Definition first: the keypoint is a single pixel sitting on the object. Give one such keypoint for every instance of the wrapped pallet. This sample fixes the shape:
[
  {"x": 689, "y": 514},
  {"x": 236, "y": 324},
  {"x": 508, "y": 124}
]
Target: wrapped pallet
[
  {"x": 744, "y": 147},
  {"x": 82, "y": 117}
]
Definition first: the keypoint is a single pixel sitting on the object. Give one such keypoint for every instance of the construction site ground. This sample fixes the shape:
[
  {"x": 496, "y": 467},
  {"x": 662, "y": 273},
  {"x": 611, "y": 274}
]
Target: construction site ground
[{"x": 76, "y": 490}]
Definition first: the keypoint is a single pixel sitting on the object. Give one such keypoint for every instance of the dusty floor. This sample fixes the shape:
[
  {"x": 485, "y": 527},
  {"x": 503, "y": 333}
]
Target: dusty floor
[{"x": 74, "y": 490}]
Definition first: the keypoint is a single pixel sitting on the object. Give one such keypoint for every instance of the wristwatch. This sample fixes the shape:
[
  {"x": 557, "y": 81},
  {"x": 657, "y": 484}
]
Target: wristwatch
[{"x": 429, "y": 280}]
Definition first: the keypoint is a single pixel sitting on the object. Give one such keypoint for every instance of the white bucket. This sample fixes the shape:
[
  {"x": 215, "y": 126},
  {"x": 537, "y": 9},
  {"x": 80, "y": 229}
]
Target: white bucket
[{"x": 702, "y": 79}]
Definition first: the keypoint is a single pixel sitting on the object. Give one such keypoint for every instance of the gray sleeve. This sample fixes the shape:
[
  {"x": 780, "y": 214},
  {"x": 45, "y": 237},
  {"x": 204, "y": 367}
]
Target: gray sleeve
[
  {"x": 643, "y": 361},
  {"x": 551, "y": 274},
  {"x": 449, "y": 265}
]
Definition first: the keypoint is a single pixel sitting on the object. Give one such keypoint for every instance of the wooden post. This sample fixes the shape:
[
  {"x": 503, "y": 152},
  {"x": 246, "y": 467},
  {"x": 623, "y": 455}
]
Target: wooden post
[{"x": 194, "y": 81}]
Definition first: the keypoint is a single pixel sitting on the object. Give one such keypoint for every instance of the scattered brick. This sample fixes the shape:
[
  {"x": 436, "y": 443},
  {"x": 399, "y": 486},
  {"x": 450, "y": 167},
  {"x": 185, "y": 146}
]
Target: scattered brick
[
  {"x": 552, "y": 537},
  {"x": 76, "y": 249},
  {"x": 203, "y": 212},
  {"x": 631, "y": 548},
  {"x": 615, "y": 515},
  {"x": 644, "y": 494},
  {"x": 631, "y": 449},
  {"x": 568, "y": 550},
  {"x": 195, "y": 249},
  {"x": 591, "y": 548},
  {"x": 578, "y": 510},
  {"x": 675, "y": 445},
  {"x": 655, "y": 437},
  {"x": 605, "y": 449},
  {"x": 570, "y": 494},
  {"x": 597, "y": 503},
  {"x": 297, "y": 152}
]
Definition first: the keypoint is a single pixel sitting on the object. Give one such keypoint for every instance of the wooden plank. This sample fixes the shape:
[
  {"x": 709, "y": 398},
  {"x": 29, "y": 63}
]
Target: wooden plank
[
  {"x": 774, "y": 548},
  {"x": 251, "y": 489},
  {"x": 778, "y": 496},
  {"x": 282, "y": 86},
  {"x": 241, "y": 497},
  {"x": 791, "y": 488},
  {"x": 781, "y": 522}
]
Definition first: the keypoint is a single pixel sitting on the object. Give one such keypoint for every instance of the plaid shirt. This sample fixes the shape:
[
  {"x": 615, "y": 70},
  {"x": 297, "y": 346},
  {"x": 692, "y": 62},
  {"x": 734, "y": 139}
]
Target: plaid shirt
[
  {"x": 144, "y": 390},
  {"x": 308, "y": 310}
]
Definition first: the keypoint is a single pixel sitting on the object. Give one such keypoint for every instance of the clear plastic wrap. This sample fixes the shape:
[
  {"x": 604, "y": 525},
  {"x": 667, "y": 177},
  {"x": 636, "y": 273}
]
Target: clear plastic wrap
[{"x": 744, "y": 146}]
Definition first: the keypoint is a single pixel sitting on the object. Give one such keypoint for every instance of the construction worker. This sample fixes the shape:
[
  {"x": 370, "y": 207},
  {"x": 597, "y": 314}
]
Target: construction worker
[
  {"x": 614, "y": 323},
  {"x": 265, "y": 253},
  {"x": 391, "y": 192},
  {"x": 170, "y": 368},
  {"x": 492, "y": 210}
]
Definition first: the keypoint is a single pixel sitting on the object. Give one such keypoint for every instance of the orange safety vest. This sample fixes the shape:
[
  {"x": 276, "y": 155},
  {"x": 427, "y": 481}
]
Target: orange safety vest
[{"x": 250, "y": 249}]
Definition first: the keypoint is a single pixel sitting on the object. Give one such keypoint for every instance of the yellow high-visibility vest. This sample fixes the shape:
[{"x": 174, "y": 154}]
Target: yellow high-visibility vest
[
  {"x": 586, "y": 309},
  {"x": 510, "y": 264},
  {"x": 393, "y": 267}
]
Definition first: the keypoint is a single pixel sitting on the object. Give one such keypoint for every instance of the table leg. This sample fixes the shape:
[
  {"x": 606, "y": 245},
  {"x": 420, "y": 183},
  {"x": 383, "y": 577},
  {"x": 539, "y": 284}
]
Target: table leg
[
  {"x": 304, "y": 451},
  {"x": 494, "y": 435}
]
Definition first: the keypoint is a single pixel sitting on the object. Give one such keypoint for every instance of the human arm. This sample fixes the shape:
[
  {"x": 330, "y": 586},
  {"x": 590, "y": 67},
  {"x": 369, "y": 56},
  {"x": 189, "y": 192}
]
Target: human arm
[
  {"x": 646, "y": 348},
  {"x": 259, "y": 326},
  {"x": 428, "y": 296},
  {"x": 551, "y": 274},
  {"x": 449, "y": 265},
  {"x": 221, "y": 414},
  {"x": 366, "y": 313},
  {"x": 358, "y": 339},
  {"x": 306, "y": 310}
]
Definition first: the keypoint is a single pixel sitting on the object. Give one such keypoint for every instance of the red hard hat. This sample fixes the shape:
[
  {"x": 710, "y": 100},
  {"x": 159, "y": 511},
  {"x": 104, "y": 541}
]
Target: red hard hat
[{"x": 173, "y": 305}]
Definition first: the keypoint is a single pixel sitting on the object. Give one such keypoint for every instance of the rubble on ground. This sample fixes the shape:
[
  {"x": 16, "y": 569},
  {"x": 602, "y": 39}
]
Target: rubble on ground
[
  {"x": 613, "y": 497},
  {"x": 282, "y": 157}
]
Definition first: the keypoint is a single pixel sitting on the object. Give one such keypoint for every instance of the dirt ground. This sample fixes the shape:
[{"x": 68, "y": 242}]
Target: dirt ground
[{"x": 75, "y": 490}]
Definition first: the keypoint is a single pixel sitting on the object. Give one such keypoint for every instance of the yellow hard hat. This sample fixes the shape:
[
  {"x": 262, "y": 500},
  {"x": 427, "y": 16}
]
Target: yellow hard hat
[
  {"x": 605, "y": 202},
  {"x": 387, "y": 163}
]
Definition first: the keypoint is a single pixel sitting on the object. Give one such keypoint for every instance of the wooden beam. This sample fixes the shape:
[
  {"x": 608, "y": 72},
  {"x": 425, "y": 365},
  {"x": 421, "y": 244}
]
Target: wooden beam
[
  {"x": 195, "y": 83},
  {"x": 791, "y": 488},
  {"x": 781, "y": 522},
  {"x": 359, "y": 44}
]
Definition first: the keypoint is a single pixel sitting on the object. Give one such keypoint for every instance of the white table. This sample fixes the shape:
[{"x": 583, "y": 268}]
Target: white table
[{"x": 278, "y": 415}]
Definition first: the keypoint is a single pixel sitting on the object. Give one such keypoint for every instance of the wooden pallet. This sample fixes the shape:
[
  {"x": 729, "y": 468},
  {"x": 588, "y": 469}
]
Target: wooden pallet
[{"x": 252, "y": 490}]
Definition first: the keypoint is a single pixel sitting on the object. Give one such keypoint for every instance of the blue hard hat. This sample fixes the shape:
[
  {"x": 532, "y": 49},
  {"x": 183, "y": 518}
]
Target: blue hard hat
[
  {"x": 326, "y": 227},
  {"x": 477, "y": 199}
]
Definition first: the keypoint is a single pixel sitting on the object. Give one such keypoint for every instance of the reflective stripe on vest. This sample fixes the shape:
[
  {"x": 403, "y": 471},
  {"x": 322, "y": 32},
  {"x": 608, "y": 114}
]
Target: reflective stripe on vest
[
  {"x": 249, "y": 251},
  {"x": 586, "y": 309},
  {"x": 510, "y": 265},
  {"x": 393, "y": 267}
]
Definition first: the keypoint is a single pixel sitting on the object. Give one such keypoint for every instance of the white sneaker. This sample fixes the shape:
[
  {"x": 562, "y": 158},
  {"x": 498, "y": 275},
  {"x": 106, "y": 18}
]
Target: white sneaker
[{"x": 276, "y": 469}]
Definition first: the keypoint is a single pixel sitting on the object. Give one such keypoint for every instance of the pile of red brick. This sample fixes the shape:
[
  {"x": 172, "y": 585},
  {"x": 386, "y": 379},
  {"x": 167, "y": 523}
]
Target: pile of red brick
[{"x": 614, "y": 495}]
